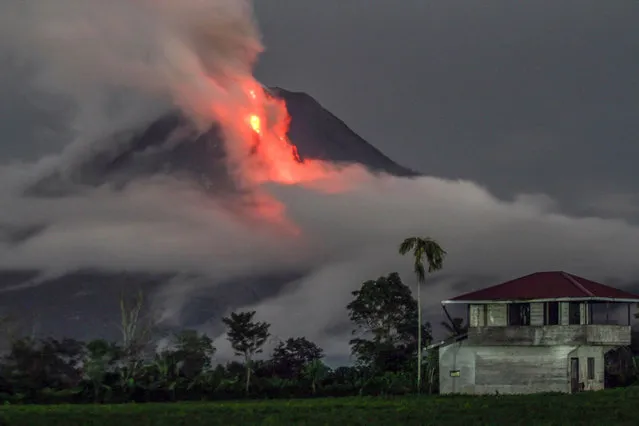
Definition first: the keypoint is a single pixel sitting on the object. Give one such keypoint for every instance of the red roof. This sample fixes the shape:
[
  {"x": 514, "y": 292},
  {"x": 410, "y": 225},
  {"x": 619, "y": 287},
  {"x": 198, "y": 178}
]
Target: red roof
[{"x": 547, "y": 285}]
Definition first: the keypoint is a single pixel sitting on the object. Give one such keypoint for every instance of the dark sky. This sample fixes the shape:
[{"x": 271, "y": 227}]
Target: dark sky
[{"x": 526, "y": 96}]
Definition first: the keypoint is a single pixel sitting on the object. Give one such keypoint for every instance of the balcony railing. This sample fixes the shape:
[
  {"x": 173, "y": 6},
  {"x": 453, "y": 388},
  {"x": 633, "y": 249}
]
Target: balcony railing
[{"x": 550, "y": 335}]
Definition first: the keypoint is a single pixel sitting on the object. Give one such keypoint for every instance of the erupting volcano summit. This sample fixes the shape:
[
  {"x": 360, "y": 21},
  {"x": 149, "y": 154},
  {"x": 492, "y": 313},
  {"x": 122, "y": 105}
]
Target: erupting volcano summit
[{"x": 290, "y": 133}]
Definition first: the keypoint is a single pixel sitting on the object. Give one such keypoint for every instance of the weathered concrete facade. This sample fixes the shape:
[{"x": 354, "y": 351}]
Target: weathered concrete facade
[
  {"x": 498, "y": 358},
  {"x": 516, "y": 369},
  {"x": 550, "y": 335}
]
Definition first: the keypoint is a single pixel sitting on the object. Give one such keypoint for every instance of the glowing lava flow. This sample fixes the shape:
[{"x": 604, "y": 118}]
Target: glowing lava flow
[
  {"x": 256, "y": 123},
  {"x": 278, "y": 160},
  {"x": 258, "y": 126}
]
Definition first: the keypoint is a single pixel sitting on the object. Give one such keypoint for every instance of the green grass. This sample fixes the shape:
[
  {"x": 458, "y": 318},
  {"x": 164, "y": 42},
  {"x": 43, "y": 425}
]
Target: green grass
[{"x": 614, "y": 407}]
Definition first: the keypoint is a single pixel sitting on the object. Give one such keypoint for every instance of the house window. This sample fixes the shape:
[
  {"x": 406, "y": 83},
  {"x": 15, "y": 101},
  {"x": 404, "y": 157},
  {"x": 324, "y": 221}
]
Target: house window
[
  {"x": 591, "y": 369},
  {"x": 551, "y": 312},
  {"x": 519, "y": 314},
  {"x": 574, "y": 313}
]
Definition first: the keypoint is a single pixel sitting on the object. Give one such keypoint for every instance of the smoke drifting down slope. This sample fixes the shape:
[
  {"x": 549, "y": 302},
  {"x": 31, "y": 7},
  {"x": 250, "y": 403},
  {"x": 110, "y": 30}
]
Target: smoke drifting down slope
[
  {"x": 200, "y": 253},
  {"x": 289, "y": 237}
]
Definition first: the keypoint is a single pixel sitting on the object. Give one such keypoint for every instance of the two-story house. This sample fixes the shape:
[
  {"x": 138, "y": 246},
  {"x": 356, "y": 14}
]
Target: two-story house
[{"x": 533, "y": 334}]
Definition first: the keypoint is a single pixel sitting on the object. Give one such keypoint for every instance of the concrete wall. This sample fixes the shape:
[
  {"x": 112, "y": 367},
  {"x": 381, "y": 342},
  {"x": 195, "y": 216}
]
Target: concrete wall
[
  {"x": 596, "y": 352},
  {"x": 563, "y": 313},
  {"x": 609, "y": 335},
  {"x": 456, "y": 357},
  {"x": 549, "y": 335},
  {"x": 496, "y": 357},
  {"x": 515, "y": 369}
]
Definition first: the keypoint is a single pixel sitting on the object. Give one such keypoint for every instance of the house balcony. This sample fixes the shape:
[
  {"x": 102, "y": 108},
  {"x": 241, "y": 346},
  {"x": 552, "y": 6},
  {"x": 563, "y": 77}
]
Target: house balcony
[{"x": 550, "y": 335}]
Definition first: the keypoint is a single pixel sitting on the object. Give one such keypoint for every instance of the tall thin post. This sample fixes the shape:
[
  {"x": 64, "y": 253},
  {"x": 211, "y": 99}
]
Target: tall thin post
[{"x": 419, "y": 338}]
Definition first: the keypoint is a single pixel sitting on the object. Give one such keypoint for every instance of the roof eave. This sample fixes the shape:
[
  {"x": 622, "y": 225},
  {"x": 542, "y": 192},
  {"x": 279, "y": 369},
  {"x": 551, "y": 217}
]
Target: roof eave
[
  {"x": 447, "y": 342},
  {"x": 552, "y": 299}
]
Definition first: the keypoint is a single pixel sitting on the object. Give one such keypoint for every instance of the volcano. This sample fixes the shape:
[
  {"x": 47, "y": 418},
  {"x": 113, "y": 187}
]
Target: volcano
[
  {"x": 84, "y": 304},
  {"x": 172, "y": 145}
]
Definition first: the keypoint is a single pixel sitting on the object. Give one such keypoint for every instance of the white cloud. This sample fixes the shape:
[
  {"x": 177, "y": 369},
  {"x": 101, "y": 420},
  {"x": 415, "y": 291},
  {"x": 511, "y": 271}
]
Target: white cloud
[
  {"x": 162, "y": 225},
  {"x": 186, "y": 51}
]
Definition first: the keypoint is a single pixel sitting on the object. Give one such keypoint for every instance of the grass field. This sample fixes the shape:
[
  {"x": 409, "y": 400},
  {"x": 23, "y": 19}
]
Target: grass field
[{"x": 614, "y": 407}]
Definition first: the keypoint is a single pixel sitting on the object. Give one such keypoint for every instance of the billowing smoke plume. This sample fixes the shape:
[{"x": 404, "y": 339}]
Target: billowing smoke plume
[{"x": 118, "y": 62}]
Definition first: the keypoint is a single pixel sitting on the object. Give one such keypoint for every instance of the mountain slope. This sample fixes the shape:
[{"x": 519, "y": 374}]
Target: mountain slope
[
  {"x": 84, "y": 303},
  {"x": 171, "y": 145},
  {"x": 326, "y": 137}
]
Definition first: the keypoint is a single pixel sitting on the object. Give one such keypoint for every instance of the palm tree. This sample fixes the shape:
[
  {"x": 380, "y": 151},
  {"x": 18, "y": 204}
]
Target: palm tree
[{"x": 434, "y": 254}]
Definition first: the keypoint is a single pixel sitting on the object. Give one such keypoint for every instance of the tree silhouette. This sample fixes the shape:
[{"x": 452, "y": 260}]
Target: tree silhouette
[
  {"x": 247, "y": 338},
  {"x": 290, "y": 357},
  {"x": 422, "y": 248}
]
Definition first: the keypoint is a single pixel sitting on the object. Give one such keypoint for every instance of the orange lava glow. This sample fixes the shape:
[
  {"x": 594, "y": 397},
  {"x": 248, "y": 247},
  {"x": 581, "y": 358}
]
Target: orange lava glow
[
  {"x": 277, "y": 158},
  {"x": 264, "y": 153},
  {"x": 255, "y": 122}
]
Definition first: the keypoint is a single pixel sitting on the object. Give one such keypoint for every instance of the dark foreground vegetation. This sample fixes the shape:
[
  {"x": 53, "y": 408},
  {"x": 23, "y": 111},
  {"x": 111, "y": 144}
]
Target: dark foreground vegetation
[
  {"x": 611, "y": 407},
  {"x": 388, "y": 347},
  {"x": 384, "y": 346},
  {"x": 136, "y": 382}
]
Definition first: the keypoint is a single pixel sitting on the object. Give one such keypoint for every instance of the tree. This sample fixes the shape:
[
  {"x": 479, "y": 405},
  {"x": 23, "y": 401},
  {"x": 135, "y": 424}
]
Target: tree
[
  {"x": 137, "y": 335},
  {"x": 247, "y": 338},
  {"x": 432, "y": 368},
  {"x": 193, "y": 352},
  {"x": 7, "y": 332},
  {"x": 385, "y": 310},
  {"x": 32, "y": 365},
  {"x": 292, "y": 356},
  {"x": 100, "y": 361},
  {"x": 136, "y": 328},
  {"x": 315, "y": 371},
  {"x": 162, "y": 374},
  {"x": 434, "y": 254}
]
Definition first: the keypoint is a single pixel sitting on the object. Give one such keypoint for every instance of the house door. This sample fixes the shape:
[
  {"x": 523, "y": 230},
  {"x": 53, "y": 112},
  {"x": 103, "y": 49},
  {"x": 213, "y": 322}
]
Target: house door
[{"x": 574, "y": 375}]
